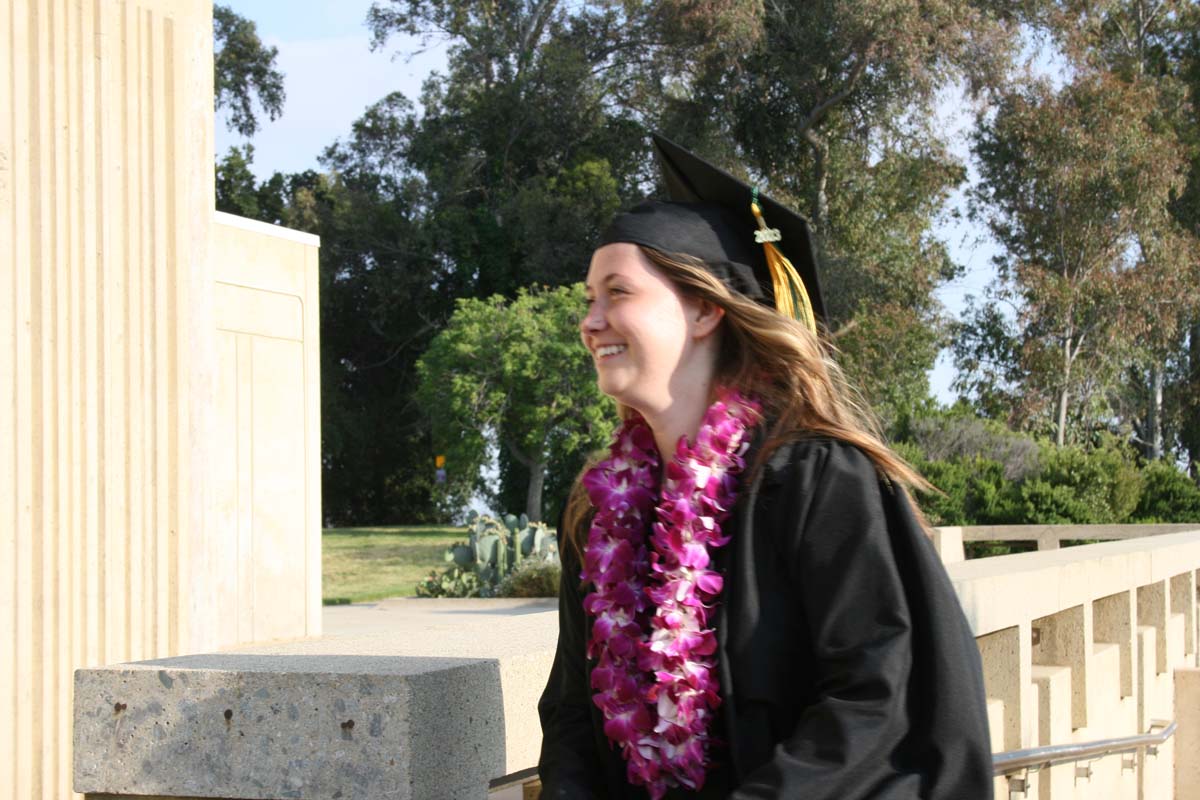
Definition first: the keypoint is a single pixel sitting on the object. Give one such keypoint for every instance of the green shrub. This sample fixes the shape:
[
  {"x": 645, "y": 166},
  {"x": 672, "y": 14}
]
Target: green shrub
[
  {"x": 532, "y": 577},
  {"x": 1095, "y": 486},
  {"x": 948, "y": 505},
  {"x": 1046, "y": 503},
  {"x": 973, "y": 490},
  {"x": 1168, "y": 496}
]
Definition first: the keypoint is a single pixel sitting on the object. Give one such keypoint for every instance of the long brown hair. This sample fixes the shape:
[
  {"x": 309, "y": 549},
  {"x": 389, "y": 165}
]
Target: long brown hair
[{"x": 788, "y": 367}]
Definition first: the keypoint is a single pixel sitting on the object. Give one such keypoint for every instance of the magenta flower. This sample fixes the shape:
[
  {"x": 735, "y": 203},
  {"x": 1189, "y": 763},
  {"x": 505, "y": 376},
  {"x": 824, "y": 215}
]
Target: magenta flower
[{"x": 654, "y": 675}]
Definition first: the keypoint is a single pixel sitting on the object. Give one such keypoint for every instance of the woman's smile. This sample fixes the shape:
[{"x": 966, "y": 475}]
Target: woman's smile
[{"x": 605, "y": 352}]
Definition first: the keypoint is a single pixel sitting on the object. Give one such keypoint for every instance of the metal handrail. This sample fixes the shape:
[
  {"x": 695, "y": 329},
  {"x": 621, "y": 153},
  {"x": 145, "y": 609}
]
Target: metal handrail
[{"x": 1049, "y": 755}]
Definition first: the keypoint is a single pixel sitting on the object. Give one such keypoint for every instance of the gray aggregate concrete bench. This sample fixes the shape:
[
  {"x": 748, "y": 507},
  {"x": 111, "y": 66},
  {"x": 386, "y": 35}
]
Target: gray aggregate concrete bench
[{"x": 414, "y": 699}]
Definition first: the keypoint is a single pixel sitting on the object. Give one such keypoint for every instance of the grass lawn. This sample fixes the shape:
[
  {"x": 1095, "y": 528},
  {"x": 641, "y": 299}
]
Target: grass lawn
[{"x": 362, "y": 564}]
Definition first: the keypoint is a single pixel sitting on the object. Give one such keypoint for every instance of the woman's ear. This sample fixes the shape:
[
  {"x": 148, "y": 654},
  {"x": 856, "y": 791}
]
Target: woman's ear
[{"x": 706, "y": 316}]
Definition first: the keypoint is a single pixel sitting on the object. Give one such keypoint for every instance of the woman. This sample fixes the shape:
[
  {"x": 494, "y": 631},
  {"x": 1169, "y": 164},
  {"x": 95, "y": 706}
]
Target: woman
[{"x": 757, "y": 613}]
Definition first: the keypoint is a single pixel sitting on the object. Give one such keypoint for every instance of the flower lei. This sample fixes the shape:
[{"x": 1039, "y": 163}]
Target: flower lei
[{"x": 655, "y": 675}]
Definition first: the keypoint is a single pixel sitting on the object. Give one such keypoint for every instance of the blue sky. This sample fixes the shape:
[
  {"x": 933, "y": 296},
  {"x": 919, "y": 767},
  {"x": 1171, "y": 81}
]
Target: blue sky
[{"x": 331, "y": 76}]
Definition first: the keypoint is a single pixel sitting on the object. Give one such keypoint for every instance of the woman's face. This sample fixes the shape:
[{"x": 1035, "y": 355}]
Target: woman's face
[{"x": 643, "y": 334}]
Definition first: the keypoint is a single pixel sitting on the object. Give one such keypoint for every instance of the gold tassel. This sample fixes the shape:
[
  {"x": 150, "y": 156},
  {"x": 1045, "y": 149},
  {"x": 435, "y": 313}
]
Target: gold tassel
[{"x": 791, "y": 298}]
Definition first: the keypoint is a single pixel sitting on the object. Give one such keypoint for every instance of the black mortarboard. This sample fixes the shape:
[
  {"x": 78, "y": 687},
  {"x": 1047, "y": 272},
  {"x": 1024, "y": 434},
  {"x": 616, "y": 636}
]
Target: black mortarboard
[{"x": 709, "y": 216}]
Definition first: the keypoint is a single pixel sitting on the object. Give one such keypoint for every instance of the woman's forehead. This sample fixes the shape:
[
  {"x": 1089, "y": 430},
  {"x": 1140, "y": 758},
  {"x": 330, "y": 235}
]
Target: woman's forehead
[{"x": 618, "y": 259}]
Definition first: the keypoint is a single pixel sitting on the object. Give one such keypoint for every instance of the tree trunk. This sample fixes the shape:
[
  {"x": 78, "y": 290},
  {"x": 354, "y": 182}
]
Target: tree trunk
[
  {"x": 1155, "y": 412},
  {"x": 1060, "y": 438},
  {"x": 533, "y": 498},
  {"x": 819, "y": 210},
  {"x": 1064, "y": 395},
  {"x": 1191, "y": 425},
  {"x": 820, "y": 199}
]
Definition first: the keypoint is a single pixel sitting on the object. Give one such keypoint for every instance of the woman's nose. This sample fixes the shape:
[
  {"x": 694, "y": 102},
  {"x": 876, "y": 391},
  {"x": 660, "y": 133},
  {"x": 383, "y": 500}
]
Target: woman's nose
[{"x": 593, "y": 320}]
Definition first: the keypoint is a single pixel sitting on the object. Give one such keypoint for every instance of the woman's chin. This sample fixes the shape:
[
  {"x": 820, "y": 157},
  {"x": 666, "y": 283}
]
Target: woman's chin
[{"x": 616, "y": 388}]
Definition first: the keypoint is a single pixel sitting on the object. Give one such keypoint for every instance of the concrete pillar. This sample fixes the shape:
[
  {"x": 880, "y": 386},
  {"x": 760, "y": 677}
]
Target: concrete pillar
[
  {"x": 948, "y": 542},
  {"x": 1064, "y": 639},
  {"x": 1183, "y": 601},
  {"x": 1187, "y": 735},
  {"x": 1006, "y": 677},
  {"x": 1152, "y": 612},
  {"x": 1113, "y": 622}
]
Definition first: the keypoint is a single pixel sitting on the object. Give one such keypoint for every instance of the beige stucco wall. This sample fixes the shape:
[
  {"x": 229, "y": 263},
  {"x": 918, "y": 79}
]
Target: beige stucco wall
[
  {"x": 113, "y": 546},
  {"x": 105, "y": 189},
  {"x": 266, "y": 475}
]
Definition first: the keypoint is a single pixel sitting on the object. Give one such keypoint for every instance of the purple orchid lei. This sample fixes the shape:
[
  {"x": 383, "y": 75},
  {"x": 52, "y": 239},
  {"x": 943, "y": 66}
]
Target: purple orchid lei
[{"x": 654, "y": 676}]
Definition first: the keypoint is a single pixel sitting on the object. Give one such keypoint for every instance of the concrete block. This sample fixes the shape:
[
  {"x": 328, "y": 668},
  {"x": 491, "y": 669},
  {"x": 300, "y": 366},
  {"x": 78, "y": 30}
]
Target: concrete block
[
  {"x": 1147, "y": 683},
  {"x": 1113, "y": 621},
  {"x": 1065, "y": 639},
  {"x": 1104, "y": 691},
  {"x": 247, "y": 726},
  {"x": 435, "y": 706},
  {"x": 1053, "y": 685},
  {"x": 995, "y": 713},
  {"x": 948, "y": 542},
  {"x": 1006, "y": 662},
  {"x": 1158, "y": 771},
  {"x": 1183, "y": 601},
  {"x": 1152, "y": 611},
  {"x": 1187, "y": 735},
  {"x": 1176, "y": 641}
]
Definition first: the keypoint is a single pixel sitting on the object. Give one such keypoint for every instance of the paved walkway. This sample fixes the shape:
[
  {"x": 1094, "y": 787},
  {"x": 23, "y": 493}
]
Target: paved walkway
[{"x": 428, "y": 615}]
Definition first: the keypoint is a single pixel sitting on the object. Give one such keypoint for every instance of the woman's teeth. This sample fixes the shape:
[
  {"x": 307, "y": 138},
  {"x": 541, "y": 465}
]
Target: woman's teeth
[{"x": 610, "y": 350}]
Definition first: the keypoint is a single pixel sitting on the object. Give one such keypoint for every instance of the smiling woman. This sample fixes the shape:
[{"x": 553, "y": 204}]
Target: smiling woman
[
  {"x": 648, "y": 339},
  {"x": 750, "y": 607}
]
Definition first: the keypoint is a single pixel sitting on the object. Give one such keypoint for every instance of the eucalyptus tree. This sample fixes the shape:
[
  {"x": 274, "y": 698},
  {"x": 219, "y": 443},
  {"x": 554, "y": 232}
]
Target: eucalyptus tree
[
  {"x": 1069, "y": 179},
  {"x": 1152, "y": 46}
]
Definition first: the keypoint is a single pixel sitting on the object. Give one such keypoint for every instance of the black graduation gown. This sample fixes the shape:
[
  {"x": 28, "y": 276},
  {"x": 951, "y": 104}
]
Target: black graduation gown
[{"x": 847, "y": 668}]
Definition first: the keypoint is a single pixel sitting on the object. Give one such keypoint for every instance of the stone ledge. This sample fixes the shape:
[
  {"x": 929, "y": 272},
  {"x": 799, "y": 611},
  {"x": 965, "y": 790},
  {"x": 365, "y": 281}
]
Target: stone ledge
[{"x": 370, "y": 715}]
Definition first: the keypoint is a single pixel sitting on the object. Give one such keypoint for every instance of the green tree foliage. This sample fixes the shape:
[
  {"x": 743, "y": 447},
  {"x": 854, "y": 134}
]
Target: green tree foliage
[
  {"x": 1184, "y": 389},
  {"x": 1068, "y": 178},
  {"x": 826, "y": 105},
  {"x": 383, "y": 297},
  {"x": 958, "y": 434},
  {"x": 513, "y": 374},
  {"x": 536, "y": 133},
  {"x": 1115, "y": 351},
  {"x": 829, "y": 106},
  {"x": 522, "y": 154},
  {"x": 239, "y": 191},
  {"x": 522, "y": 150},
  {"x": 880, "y": 270},
  {"x": 244, "y": 70},
  {"x": 1151, "y": 43}
]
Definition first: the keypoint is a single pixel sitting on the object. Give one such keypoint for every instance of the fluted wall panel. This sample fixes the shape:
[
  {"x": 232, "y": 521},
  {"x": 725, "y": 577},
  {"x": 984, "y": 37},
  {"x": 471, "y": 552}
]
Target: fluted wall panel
[{"x": 105, "y": 350}]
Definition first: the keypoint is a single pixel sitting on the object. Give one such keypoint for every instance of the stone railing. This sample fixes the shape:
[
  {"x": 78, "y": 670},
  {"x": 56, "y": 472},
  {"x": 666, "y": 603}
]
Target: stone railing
[
  {"x": 1087, "y": 643},
  {"x": 1051, "y": 537},
  {"x": 436, "y": 699}
]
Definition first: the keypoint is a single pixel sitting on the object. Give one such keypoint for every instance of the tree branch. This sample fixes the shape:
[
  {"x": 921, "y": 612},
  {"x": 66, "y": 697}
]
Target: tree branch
[{"x": 818, "y": 113}]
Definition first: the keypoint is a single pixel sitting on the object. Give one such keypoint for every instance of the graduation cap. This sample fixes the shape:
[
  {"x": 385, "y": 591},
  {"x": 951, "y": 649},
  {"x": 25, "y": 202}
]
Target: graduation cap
[{"x": 717, "y": 218}]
